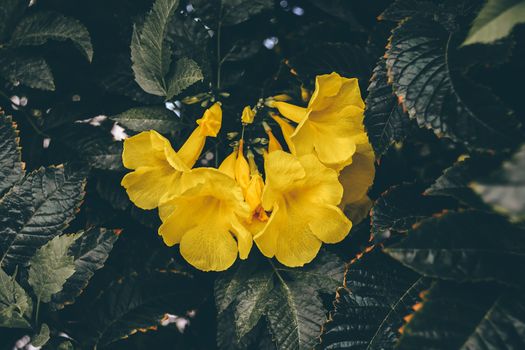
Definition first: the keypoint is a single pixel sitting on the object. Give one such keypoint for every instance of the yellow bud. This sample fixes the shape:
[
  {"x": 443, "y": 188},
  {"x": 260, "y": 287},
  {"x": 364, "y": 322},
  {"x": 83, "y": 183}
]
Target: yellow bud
[
  {"x": 242, "y": 168},
  {"x": 305, "y": 94},
  {"x": 247, "y": 115},
  {"x": 273, "y": 143}
]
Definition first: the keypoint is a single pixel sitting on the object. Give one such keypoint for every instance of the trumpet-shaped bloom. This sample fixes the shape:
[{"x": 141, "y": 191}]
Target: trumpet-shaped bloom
[
  {"x": 303, "y": 195},
  {"x": 331, "y": 126},
  {"x": 206, "y": 220},
  {"x": 159, "y": 170},
  {"x": 247, "y": 115}
]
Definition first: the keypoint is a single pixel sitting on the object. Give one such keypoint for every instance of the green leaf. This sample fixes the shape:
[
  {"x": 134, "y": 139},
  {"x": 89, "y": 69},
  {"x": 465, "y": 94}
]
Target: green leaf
[
  {"x": 42, "y": 337},
  {"x": 421, "y": 65},
  {"x": 148, "y": 118},
  {"x": 288, "y": 298},
  {"x": 41, "y": 27},
  {"x": 385, "y": 120},
  {"x": 466, "y": 246},
  {"x": 11, "y": 166},
  {"x": 369, "y": 311},
  {"x": 89, "y": 252},
  {"x": 455, "y": 180},
  {"x": 36, "y": 210},
  {"x": 10, "y": 13},
  {"x": 186, "y": 73},
  {"x": 495, "y": 21},
  {"x": 29, "y": 70},
  {"x": 463, "y": 316},
  {"x": 151, "y": 54},
  {"x": 238, "y": 11},
  {"x": 51, "y": 266},
  {"x": 137, "y": 302},
  {"x": 401, "y": 207},
  {"x": 504, "y": 189},
  {"x": 15, "y": 305}
]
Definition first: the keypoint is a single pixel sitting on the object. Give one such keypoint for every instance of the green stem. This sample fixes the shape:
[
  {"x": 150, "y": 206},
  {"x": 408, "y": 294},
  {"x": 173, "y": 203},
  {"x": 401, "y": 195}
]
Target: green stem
[
  {"x": 37, "y": 310},
  {"x": 219, "y": 61}
]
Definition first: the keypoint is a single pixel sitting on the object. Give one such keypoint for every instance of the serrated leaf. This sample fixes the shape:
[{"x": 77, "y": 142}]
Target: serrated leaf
[
  {"x": 41, "y": 27},
  {"x": 399, "y": 208},
  {"x": 11, "y": 166},
  {"x": 463, "y": 316},
  {"x": 455, "y": 180},
  {"x": 495, "y": 21},
  {"x": 288, "y": 298},
  {"x": 369, "y": 311},
  {"x": 504, "y": 189},
  {"x": 42, "y": 337},
  {"x": 89, "y": 252},
  {"x": 420, "y": 63},
  {"x": 465, "y": 246},
  {"x": 29, "y": 70},
  {"x": 137, "y": 302},
  {"x": 385, "y": 120},
  {"x": 36, "y": 210},
  {"x": 148, "y": 118},
  {"x": 150, "y": 51},
  {"x": 15, "y": 305},
  {"x": 186, "y": 73},
  {"x": 51, "y": 266}
]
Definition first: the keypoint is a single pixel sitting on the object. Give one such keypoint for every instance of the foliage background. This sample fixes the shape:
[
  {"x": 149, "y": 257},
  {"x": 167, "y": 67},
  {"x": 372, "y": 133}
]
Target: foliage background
[{"x": 431, "y": 102}]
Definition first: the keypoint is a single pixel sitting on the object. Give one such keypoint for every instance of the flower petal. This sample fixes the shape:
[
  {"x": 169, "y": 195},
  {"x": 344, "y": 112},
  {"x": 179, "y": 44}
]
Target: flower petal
[
  {"x": 209, "y": 247},
  {"x": 290, "y": 111},
  {"x": 357, "y": 177},
  {"x": 282, "y": 170},
  {"x": 191, "y": 150},
  {"x": 146, "y": 149},
  {"x": 244, "y": 238},
  {"x": 147, "y": 186},
  {"x": 329, "y": 223},
  {"x": 287, "y": 131},
  {"x": 321, "y": 185},
  {"x": 210, "y": 123}
]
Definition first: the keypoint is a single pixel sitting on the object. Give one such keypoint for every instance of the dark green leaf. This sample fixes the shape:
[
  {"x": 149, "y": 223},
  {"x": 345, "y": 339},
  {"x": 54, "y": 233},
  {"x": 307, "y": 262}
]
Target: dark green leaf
[
  {"x": 10, "y": 13},
  {"x": 495, "y": 21},
  {"x": 42, "y": 337},
  {"x": 399, "y": 208},
  {"x": 455, "y": 180},
  {"x": 51, "y": 266},
  {"x": 151, "y": 54},
  {"x": 385, "y": 120},
  {"x": 420, "y": 64},
  {"x": 369, "y": 311},
  {"x": 11, "y": 166},
  {"x": 15, "y": 305},
  {"x": 36, "y": 210},
  {"x": 288, "y": 298},
  {"x": 504, "y": 189},
  {"x": 148, "y": 118},
  {"x": 465, "y": 246},
  {"x": 41, "y": 27},
  {"x": 32, "y": 71},
  {"x": 463, "y": 316},
  {"x": 89, "y": 252},
  {"x": 137, "y": 302}
]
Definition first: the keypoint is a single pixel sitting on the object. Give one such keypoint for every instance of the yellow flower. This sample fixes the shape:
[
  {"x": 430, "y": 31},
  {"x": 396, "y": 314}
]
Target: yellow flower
[
  {"x": 331, "y": 126},
  {"x": 303, "y": 195},
  {"x": 205, "y": 220},
  {"x": 247, "y": 115},
  {"x": 273, "y": 143},
  {"x": 158, "y": 169}
]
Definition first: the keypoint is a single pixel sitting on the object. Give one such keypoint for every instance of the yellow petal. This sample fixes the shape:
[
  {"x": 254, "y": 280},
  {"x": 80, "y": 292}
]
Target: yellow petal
[
  {"x": 357, "y": 211},
  {"x": 321, "y": 185},
  {"x": 253, "y": 192},
  {"x": 266, "y": 239},
  {"x": 150, "y": 149},
  {"x": 326, "y": 86},
  {"x": 329, "y": 223},
  {"x": 192, "y": 148},
  {"x": 228, "y": 164},
  {"x": 247, "y": 115},
  {"x": 290, "y": 111},
  {"x": 357, "y": 177},
  {"x": 209, "y": 248},
  {"x": 147, "y": 186},
  {"x": 242, "y": 168},
  {"x": 287, "y": 131},
  {"x": 244, "y": 238},
  {"x": 211, "y": 122}
]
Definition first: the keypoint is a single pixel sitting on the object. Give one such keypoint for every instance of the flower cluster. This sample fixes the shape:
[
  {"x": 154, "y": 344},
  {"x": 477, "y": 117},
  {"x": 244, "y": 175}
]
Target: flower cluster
[{"x": 309, "y": 195}]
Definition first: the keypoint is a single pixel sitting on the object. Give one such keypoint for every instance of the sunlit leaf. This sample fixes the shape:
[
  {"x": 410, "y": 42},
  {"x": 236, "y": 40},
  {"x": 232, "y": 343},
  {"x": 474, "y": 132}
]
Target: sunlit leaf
[{"x": 15, "y": 305}]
